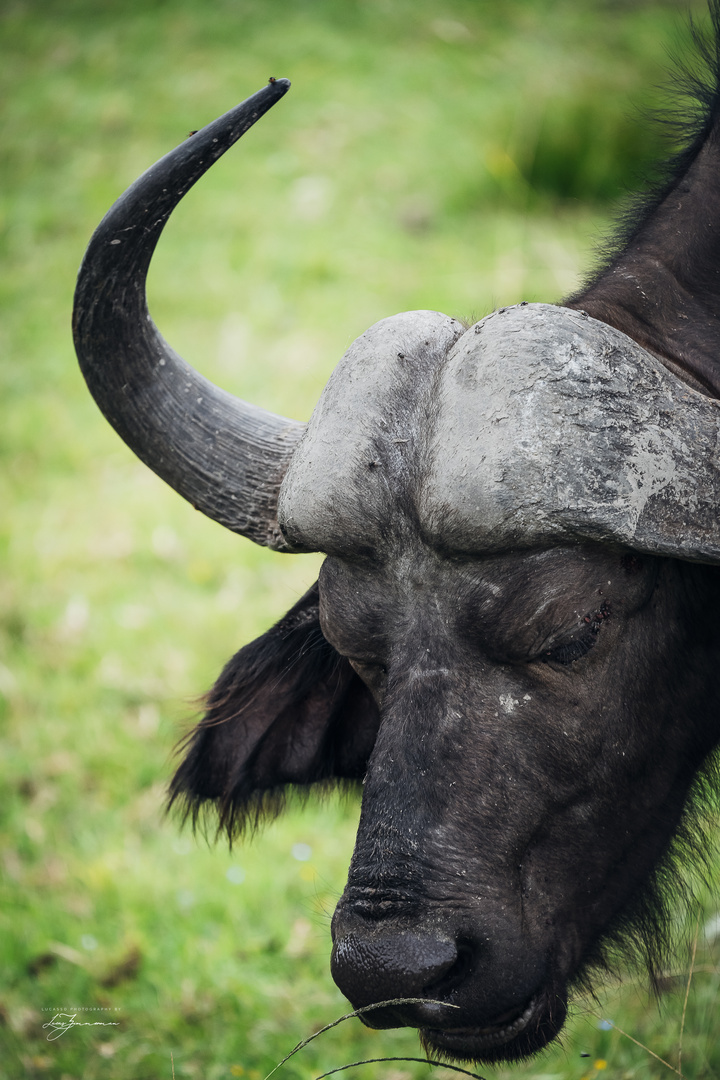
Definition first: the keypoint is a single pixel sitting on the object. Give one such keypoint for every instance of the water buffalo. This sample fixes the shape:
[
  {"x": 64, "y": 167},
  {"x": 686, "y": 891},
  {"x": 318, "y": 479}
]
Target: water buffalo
[{"x": 514, "y": 641}]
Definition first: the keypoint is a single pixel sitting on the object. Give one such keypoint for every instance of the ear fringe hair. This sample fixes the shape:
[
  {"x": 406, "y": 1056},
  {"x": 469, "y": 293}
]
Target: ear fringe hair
[
  {"x": 290, "y": 659},
  {"x": 242, "y": 819}
]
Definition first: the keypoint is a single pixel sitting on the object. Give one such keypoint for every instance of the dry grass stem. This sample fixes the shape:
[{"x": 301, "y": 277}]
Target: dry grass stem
[
  {"x": 687, "y": 991},
  {"x": 423, "y": 1061},
  {"x": 359, "y": 1012},
  {"x": 649, "y": 1051}
]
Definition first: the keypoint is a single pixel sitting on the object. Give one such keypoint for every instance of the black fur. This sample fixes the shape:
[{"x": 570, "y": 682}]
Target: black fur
[
  {"x": 659, "y": 281},
  {"x": 287, "y": 709}
]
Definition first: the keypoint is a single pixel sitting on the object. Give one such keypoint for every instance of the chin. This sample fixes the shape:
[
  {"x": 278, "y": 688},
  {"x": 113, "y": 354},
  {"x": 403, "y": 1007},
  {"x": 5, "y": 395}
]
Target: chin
[{"x": 511, "y": 1037}]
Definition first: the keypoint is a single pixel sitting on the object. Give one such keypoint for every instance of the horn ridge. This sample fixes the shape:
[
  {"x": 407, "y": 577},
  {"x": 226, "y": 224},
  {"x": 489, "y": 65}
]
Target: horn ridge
[{"x": 224, "y": 455}]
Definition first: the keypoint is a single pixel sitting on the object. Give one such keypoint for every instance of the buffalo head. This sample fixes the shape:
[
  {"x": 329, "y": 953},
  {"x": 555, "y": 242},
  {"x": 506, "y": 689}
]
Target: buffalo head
[{"x": 513, "y": 641}]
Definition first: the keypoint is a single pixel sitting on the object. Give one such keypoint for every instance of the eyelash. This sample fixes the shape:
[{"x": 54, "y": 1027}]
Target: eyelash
[{"x": 569, "y": 651}]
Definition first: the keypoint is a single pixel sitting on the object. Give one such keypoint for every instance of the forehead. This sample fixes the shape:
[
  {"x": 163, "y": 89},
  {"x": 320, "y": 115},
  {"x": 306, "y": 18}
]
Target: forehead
[
  {"x": 532, "y": 427},
  {"x": 362, "y": 463},
  {"x": 522, "y": 578}
]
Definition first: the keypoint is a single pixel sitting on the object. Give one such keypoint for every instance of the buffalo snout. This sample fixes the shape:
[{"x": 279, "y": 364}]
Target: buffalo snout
[{"x": 465, "y": 999}]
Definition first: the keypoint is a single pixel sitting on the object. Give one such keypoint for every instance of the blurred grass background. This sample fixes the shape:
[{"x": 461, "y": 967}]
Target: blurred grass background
[{"x": 455, "y": 154}]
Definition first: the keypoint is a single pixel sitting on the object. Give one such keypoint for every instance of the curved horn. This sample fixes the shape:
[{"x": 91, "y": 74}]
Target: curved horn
[{"x": 223, "y": 455}]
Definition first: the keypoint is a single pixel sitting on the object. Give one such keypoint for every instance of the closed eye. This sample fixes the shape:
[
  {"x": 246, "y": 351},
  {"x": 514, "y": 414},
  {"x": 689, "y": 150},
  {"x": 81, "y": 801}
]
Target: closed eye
[
  {"x": 566, "y": 652},
  {"x": 570, "y": 650}
]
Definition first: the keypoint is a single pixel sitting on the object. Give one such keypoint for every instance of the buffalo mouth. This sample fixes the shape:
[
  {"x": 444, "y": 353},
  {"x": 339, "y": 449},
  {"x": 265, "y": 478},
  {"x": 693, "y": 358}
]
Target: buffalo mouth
[{"x": 513, "y": 1035}]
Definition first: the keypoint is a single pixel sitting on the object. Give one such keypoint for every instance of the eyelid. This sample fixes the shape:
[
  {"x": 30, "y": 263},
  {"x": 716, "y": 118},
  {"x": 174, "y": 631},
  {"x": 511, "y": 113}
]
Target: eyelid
[
  {"x": 569, "y": 651},
  {"x": 579, "y": 645}
]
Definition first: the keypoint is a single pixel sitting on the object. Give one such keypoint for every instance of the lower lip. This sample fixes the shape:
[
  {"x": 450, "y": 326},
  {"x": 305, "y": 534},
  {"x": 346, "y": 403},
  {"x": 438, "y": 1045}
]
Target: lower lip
[{"x": 485, "y": 1038}]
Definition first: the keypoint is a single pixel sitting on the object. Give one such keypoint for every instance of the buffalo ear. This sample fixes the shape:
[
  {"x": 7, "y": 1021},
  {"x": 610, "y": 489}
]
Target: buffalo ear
[{"x": 287, "y": 709}]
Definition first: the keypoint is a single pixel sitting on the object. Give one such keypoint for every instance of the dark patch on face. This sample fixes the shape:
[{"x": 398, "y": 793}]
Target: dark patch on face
[{"x": 632, "y": 563}]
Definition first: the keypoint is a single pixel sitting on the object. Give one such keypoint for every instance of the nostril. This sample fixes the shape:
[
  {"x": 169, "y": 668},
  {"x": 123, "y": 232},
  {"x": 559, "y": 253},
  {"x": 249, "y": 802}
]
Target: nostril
[
  {"x": 453, "y": 976},
  {"x": 376, "y": 967}
]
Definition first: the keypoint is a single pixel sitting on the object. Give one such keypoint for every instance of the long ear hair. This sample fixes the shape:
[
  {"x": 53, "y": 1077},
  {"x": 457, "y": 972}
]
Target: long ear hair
[{"x": 287, "y": 709}]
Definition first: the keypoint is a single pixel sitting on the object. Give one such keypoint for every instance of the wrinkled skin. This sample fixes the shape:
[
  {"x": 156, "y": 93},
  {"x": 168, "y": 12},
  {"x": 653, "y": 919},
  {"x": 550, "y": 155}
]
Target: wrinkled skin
[{"x": 528, "y": 772}]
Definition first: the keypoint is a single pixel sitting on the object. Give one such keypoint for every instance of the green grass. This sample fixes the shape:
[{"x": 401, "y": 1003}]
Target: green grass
[{"x": 452, "y": 155}]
